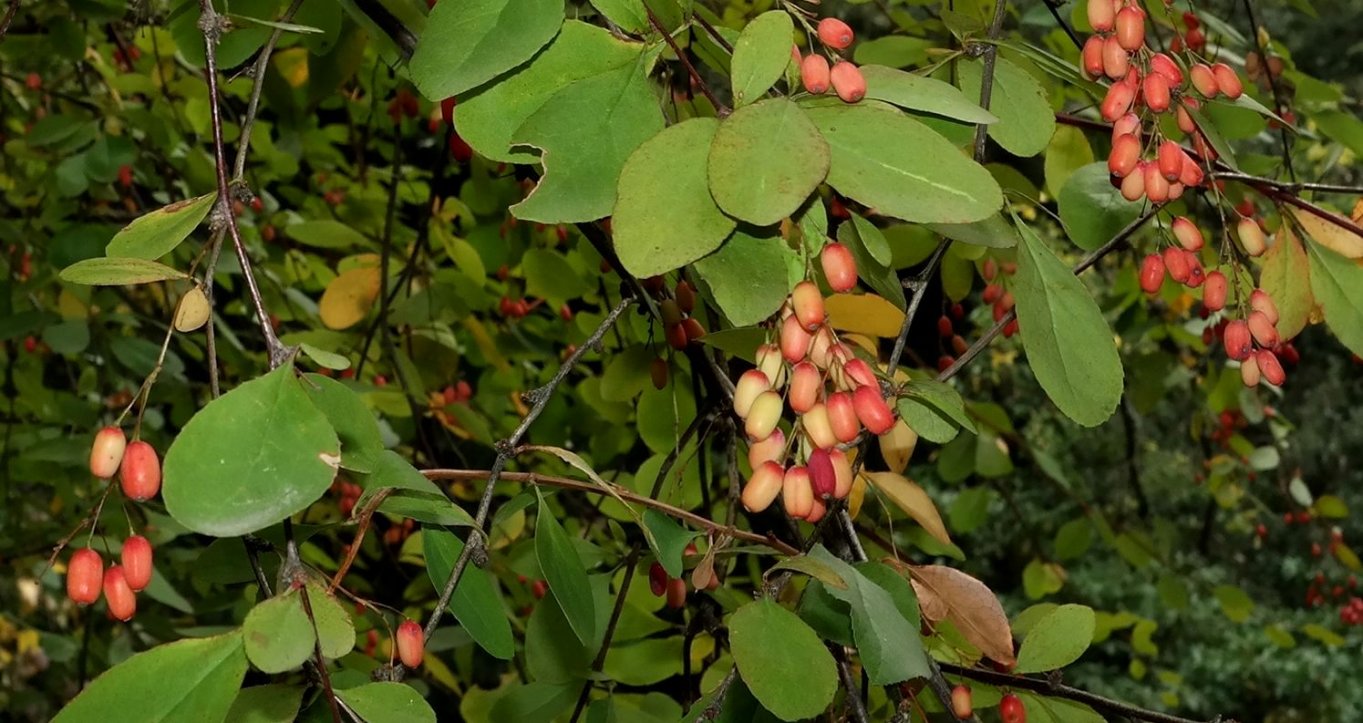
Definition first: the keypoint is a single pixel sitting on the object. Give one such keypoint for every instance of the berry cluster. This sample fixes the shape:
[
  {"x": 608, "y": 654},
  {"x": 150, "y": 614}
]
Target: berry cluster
[
  {"x": 679, "y": 327},
  {"x": 833, "y": 393},
  {"x": 844, "y": 77},
  {"x": 674, "y": 588},
  {"x": 139, "y": 473}
]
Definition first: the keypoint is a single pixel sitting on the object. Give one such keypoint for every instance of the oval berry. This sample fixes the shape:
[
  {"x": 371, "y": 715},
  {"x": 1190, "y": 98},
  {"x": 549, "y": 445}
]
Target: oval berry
[
  {"x": 140, "y": 473},
  {"x": 1152, "y": 274},
  {"x": 763, "y": 415},
  {"x": 1126, "y": 153},
  {"x": 1237, "y": 340},
  {"x": 961, "y": 705},
  {"x": 762, "y": 487},
  {"x": 1130, "y": 24},
  {"x": 84, "y": 576},
  {"x": 657, "y": 579},
  {"x": 807, "y": 301},
  {"x": 818, "y": 426},
  {"x": 848, "y": 82},
  {"x": 1101, "y": 15},
  {"x": 752, "y": 383},
  {"x": 1259, "y": 300},
  {"x": 835, "y": 33},
  {"x": 1251, "y": 237},
  {"x": 839, "y": 267},
  {"x": 842, "y": 417},
  {"x": 411, "y": 644},
  {"x": 823, "y": 478},
  {"x": 120, "y": 596},
  {"x": 1204, "y": 80},
  {"x": 805, "y": 385},
  {"x": 814, "y": 73},
  {"x": 1155, "y": 91},
  {"x": 1227, "y": 81},
  {"x": 1188, "y": 234},
  {"x": 1214, "y": 291},
  {"x": 1270, "y": 368},
  {"x": 107, "y": 452},
  {"x": 796, "y": 492},
  {"x": 770, "y": 449},
  {"x": 1092, "y": 57},
  {"x": 1011, "y": 709},
  {"x": 136, "y": 557}
]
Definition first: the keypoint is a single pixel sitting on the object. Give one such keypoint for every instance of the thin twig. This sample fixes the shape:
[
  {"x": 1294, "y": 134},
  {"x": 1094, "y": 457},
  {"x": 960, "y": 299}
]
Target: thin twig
[
  {"x": 505, "y": 449},
  {"x": 322, "y": 673},
  {"x": 720, "y": 109},
  {"x": 599, "y": 663},
  {"x": 534, "y": 478},
  {"x": 1055, "y": 689},
  {"x": 9, "y": 17},
  {"x": 1273, "y": 87},
  {"x": 991, "y": 52}
]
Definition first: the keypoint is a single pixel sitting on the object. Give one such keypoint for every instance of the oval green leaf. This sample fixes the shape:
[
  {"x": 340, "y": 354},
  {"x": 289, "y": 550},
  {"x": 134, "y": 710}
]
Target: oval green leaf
[
  {"x": 1069, "y": 344},
  {"x": 118, "y": 272},
  {"x": 921, "y": 93},
  {"x": 1026, "y": 121},
  {"x": 468, "y": 43},
  {"x": 477, "y": 603},
  {"x": 188, "y": 680},
  {"x": 387, "y": 702},
  {"x": 335, "y": 631},
  {"x": 664, "y": 216},
  {"x": 765, "y": 160},
  {"x": 746, "y": 276},
  {"x": 1338, "y": 286},
  {"x": 782, "y": 660},
  {"x": 1057, "y": 639},
  {"x": 566, "y": 575},
  {"x": 761, "y": 55},
  {"x": 277, "y": 634},
  {"x": 902, "y": 168},
  {"x": 156, "y": 234},
  {"x": 250, "y": 458},
  {"x": 1091, "y": 209}
]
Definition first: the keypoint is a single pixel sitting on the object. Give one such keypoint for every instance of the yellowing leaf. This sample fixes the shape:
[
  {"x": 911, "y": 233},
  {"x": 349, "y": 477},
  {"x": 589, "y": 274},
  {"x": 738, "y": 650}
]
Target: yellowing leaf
[
  {"x": 864, "y": 314},
  {"x": 896, "y": 446},
  {"x": 912, "y": 499},
  {"x": 292, "y": 65},
  {"x": 349, "y": 297},
  {"x": 1342, "y": 241},
  {"x": 193, "y": 310},
  {"x": 947, "y": 593}
]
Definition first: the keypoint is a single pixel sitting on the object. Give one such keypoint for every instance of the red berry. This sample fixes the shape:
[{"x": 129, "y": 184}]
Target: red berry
[
  {"x": 33, "y": 81},
  {"x": 805, "y": 385},
  {"x": 1227, "y": 81},
  {"x": 1176, "y": 261},
  {"x": 843, "y": 417},
  {"x": 1011, "y": 709},
  {"x": 1204, "y": 80},
  {"x": 839, "y": 268},
  {"x": 835, "y": 33},
  {"x": 872, "y": 410},
  {"x": 1101, "y": 14},
  {"x": 539, "y": 588},
  {"x": 1214, "y": 291},
  {"x": 676, "y": 593},
  {"x": 136, "y": 558},
  {"x": 84, "y": 575},
  {"x": 411, "y": 643},
  {"x": 447, "y": 110},
  {"x": 1152, "y": 274},
  {"x": 140, "y": 473},
  {"x": 1259, "y": 300},
  {"x": 1237, "y": 340},
  {"x": 1155, "y": 91},
  {"x": 859, "y": 372},
  {"x": 1117, "y": 102},
  {"x": 961, "y": 704},
  {"x": 1269, "y": 367},
  {"x": 797, "y": 492},
  {"x": 1171, "y": 159},
  {"x": 807, "y": 301},
  {"x": 120, "y": 596},
  {"x": 657, "y": 371},
  {"x": 848, "y": 82},
  {"x": 107, "y": 452},
  {"x": 814, "y": 73},
  {"x": 763, "y": 486},
  {"x": 1187, "y": 233},
  {"x": 1130, "y": 24},
  {"x": 823, "y": 478},
  {"x": 1262, "y": 329},
  {"x": 795, "y": 340},
  {"x": 657, "y": 579},
  {"x": 1162, "y": 64},
  {"x": 1092, "y": 57}
]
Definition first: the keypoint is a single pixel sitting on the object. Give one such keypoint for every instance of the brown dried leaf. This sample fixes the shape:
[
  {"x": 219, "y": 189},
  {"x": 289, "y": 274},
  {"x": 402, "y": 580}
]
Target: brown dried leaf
[{"x": 968, "y": 604}]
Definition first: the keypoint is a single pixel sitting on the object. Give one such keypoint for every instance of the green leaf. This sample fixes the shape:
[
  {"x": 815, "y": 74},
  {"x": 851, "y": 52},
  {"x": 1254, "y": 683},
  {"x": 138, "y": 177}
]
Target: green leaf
[
  {"x": 548, "y": 275},
  {"x": 156, "y": 234},
  {"x": 1026, "y": 121},
  {"x": 1068, "y": 152},
  {"x": 323, "y": 358},
  {"x": 881, "y": 278},
  {"x": 468, "y": 43},
  {"x": 761, "y": 55},
  {"x": 266, "y": 704},
  {"x": 335, "y": 631},
  {"x": 553, "y": 654},
  {"x": 489, "y": 116},
  {"x": 895, "y": 51},
  {"x": 668, "y": 540},
  {"x": 782, "y": 661},
  {"x": 629, "y": 15},
  {"x": 889, "y": 646},
  {"x": 387, "y": 702},
  {"x": 1338, "y": 286},
  {"x": 1234, "y": 602},
  {"x": 535, "y": 702},
  {"x": 1057, "y": 639},
  {"x": 1209, "y": 131},
  {"x": 118, "y": 272},
  {"x": 992, "y": 232},
  {"x": 355, "y": 425},
  {"x": 902, "y": 168},
  {"x": 250, "y": 458},
  {"x": 277, "y": 634},
  {"x": 327, "y": 234},
  {"x": 566, "y": 574},
  {"x": 664, "y": 216},
  {"x": 1069, "y": 344},
  {"x": 1073, "y": 539},
  {"x": 1091, "y": 209},
  {"x": 813, "y": 567},
  {"x": 477, "y": 602},
  {"x": 921, "y": 93},
  {"x": 872, "y": 240},
  {"x": 745, "y": 276},
  {"x": 944, "y": 398},
  {"x": 414, "y": 496},
  {"x": 585, "y": 133},
  {"x": 765, "y": 160},
  {"x": 188, "y": 680},
  {"x": 926, "y": 420}
]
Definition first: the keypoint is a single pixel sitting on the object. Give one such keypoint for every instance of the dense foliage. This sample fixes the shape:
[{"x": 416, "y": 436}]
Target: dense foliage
[{"x": 659, "y": 360}]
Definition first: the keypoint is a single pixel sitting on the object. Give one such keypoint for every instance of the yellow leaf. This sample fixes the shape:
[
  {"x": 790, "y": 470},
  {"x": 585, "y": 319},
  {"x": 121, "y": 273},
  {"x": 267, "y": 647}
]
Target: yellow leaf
[
  {"x": 864, "y": 314},
  {"x": 349, "y": 297},
  {"x": 856, "y": 496},
  {"x": 193, "y": 310},
  {"x": 292, "y": 65},
  {"x": 1342, "y": 241},
  {"x": 913, "y": 500},
  {"x": 896, "y": 446}
]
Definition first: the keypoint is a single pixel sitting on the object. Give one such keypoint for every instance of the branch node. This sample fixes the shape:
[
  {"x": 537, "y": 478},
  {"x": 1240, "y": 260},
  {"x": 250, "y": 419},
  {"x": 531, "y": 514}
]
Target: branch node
[{"x": 478, "y": 549}]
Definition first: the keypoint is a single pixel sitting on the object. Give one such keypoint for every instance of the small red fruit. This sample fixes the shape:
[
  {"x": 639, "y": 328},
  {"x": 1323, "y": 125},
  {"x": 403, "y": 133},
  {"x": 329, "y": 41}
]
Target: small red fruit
[
  {"x": 136, "y": 558},
  {"x": 657, "y": 372},
  {"x": 1152, "y": 274},
  {"x": 763, "y": 486},
  {"x": 1133, "y": 186},
  {"x": 1262, "y": 329},
  {"x": 859, "y": 372},
  {"x": 107, "y": 452},
  {"x": 1227, "y": 81},
  {"x": 657, "y": 579},
  {"x": 539, "y": 589},
  {"x": 1251, "y": 236},
  {"x": 1101, "y": 14},
  {"x": 805, "y": 385},
  {"x": 814, "y": 73},
  {"x": 447, "y": 110},
  {"x": 120, "y": 596},
  {"x": 872, "y": 410},
  {"x": 1165, "y": 66},
  {"x": 1214, "y": 291},
  {"x": 1259, "y": 300},
  {"x": 1011, "y": 709},
  {"x": 1117, "y": 102},
  {"x": 770, "y": 449},
  {"x": 823, "y": 477},
  {"x": 797, "y": 493},
  {"x": 1092, "y": 57},
  {"x": 1171, "y": 159},
  {"x": 1188, "y": 234},
  {"x": 848, "y": 82},
  {"x": 807, "y": 301},
  {"x": 140, "y": 473},
  {"x": 33, "y": 81},
  {"x": 1250, "y": 373},
  {"x": 84, "y": 575},
  {"x": 411, "y": 643},
  {"x": 1176, "y": 262},
  {"x": 835, "y": 33},
  {"x": 1126, "y": 153},
  {"x": 839, "y": 268},
  {"x": 1130, "y": 28},
  {"x": 795, "y": 340},
  {"x": 1156, "y": 186},
  {"x": 843, "y": 417},
  {"x": 961, "y": 704},
  {"x": 1155, "y": 90},
  {"x": 1270, "y": 368},
  {"x": 1237, "y": 340},
  {"x": 676, "y": 593},
  {"x": 1204, "y": 80}
]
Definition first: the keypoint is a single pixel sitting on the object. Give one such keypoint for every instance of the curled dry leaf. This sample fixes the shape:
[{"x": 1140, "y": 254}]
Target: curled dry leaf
[
  {"x": 947, "y": 593},
  {"x": 193, "y": 310},
  {"x": 911, "y": 498}
]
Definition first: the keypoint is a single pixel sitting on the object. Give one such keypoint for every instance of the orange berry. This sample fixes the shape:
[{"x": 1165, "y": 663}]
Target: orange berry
[
  {"x": 839, "y": 267},
  {"x": 1204, "y": 80},
  {"x": 1126, "y": 153},
  {"x": 762, "y": 487},
  {"x": 1214, "y": 291},
  {"x": 749, "y": 386},
  {"x": 120, "y": 596},
  {"x": 848, "y": 82},
  {"x": 872, "y": 410},
  {"x": 796, "y": 492},
  {"x": 136, "y": 557},
  {"x": 814, "y": 73},
  {"x": 140, "y": 473},
  {"x": 1130, "y": 24},
  {"x": 1227, "y": 81},
  {"x": 84, "y": 575},
  {"x": 805, "y": 385},
  {"x": 411, "y": 642},
  {"x": 1101, "y": 14},
  {"x": 961, "y": 705},
  {"x": 835, "y": 33},
  {"x": 770, "y": 449},
  {"x": 107, "y": 452},
  {"x": 1251, "y": 237}
]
